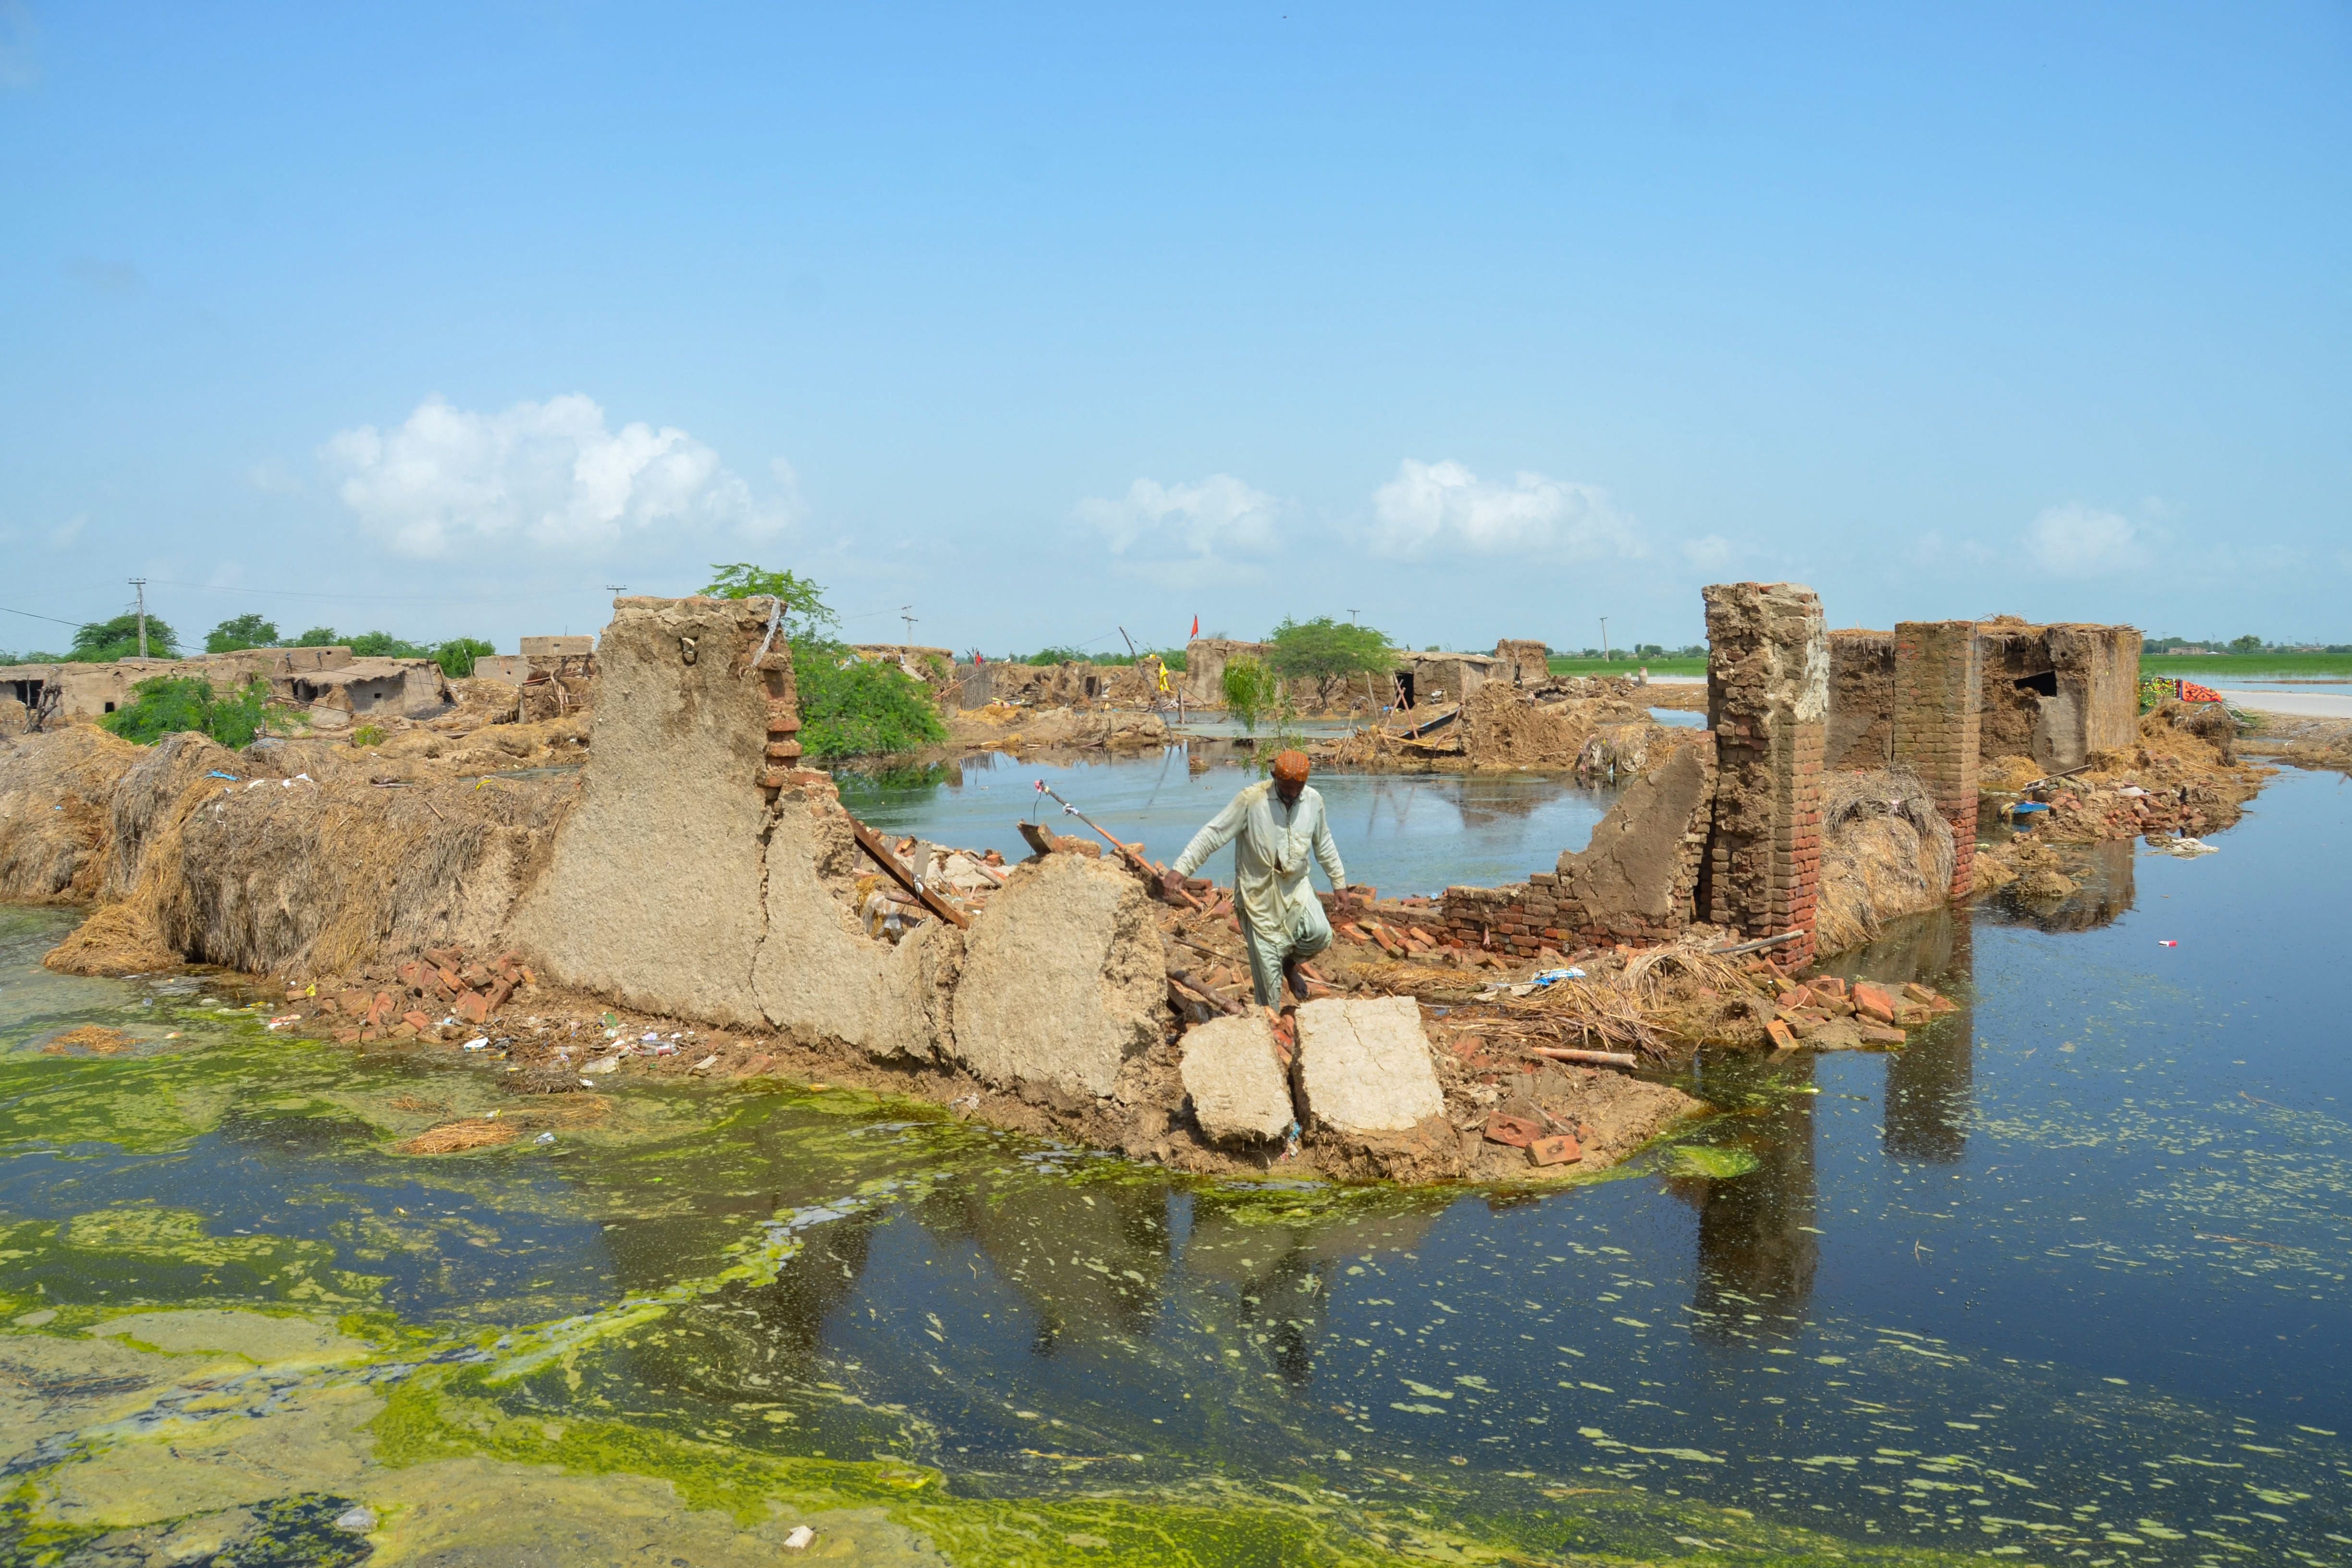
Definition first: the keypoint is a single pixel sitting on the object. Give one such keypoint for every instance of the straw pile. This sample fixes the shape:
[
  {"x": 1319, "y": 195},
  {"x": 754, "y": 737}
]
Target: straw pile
[
  {"x": 55, "y": 796},
  {"x": 310, "y": 876},
  {"x": 1885, "y": 852}
]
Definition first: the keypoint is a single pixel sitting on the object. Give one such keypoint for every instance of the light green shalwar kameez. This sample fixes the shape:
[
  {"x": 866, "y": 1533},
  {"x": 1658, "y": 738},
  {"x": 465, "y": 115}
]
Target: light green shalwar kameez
[{"x": 1281, "y": 918}]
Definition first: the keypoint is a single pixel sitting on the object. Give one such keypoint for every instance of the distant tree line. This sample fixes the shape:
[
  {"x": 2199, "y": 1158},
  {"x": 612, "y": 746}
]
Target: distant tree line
[
  {"x": 2249, "y": 644},
  {"x": 104, "y": 642}
]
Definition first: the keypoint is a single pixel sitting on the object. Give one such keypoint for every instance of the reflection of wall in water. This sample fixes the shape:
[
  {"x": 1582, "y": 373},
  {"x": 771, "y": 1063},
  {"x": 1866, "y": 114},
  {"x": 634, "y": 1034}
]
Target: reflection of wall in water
[
  {"x": 1931, "y": 1082},
  {"x": 2105, "y": 878},
  {"x": 1040, "y": 1237},
  {"x": 1281, "y": 1278},
  {"x": 1757, "y": 1252}
]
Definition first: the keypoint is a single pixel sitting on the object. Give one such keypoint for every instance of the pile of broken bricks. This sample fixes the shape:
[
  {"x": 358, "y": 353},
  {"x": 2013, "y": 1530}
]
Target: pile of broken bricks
[
  {"x": 441, "y": 978},
  {"x": 1822, "y": 1010}
]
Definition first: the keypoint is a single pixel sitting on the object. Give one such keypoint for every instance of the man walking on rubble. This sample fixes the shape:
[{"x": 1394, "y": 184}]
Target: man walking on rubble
[{"x": 1273, "y": 826}]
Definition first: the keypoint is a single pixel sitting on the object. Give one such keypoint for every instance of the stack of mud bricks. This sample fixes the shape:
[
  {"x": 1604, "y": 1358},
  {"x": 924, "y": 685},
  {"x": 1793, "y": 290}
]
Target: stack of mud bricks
[
  {"x": 1767, "y": 703},
  {"x": 1938, "y": 697},
  {"x": 772, "y": 666}
]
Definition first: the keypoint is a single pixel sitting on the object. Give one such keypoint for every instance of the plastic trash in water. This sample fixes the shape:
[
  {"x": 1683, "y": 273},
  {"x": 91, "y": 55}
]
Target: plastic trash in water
[
  {"x": 544, "y": 1138},
  {"x": 358, "y": 1521},
  {"x": 1553, "y": 976},
  {"x": 216, "y": 773},
  {"x": 2166, "y": 942},
  {"x": 481, "y": 1044},
  {"x": 799, "y": 1539}
]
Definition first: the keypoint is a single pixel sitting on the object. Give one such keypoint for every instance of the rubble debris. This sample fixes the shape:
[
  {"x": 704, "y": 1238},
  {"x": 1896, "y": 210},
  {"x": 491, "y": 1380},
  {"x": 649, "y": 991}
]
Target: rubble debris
[
  {"x": 1237, "y": 1087},
  {"x": 1368, "y": 1091}
]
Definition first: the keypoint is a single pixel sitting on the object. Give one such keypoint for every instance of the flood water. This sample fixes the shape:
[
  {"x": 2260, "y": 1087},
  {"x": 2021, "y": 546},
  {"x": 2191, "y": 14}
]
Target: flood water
[
  {"x": 1400, "y": 832},
  {"x": 2064, "y": 1281}
]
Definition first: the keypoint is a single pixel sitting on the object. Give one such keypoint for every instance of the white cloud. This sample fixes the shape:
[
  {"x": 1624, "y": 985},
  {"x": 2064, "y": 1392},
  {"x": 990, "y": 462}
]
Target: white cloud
[
  {"x": 549, "y": 474},
  {"x": 1445, "y": 505},
  {"x": 1711, "y": 554},
  {"x": 2077, "y": 540},
  {"x": 1185, "y": 535}
]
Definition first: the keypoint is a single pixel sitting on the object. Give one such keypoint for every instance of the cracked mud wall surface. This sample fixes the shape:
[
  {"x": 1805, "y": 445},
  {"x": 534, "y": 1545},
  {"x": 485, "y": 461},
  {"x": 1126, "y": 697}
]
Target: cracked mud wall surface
[
  {"x": 818, "y": 975},
  {"x": 678, "y": 885},
  {"x": 1063, "y": 981},
  {"x": 655, "y": 890}
]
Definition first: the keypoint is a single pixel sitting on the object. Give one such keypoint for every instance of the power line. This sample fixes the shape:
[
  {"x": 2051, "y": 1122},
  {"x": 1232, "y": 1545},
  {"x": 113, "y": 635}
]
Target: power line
[{"x": 28, "y": 614}]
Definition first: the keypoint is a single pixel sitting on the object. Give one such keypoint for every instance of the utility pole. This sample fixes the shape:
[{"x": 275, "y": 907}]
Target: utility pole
[
  {"x": 614, "y": 588},
  {"x": 1351, "y": 617},
  {"x": 1605, "y": 639},
  {"x": 141, "y": 583},
  {"x": 907, "y": 615}
]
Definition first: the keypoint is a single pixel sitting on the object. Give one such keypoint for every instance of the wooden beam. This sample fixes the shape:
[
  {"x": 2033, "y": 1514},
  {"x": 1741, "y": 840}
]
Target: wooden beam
[{"x": 905, "y": 879}]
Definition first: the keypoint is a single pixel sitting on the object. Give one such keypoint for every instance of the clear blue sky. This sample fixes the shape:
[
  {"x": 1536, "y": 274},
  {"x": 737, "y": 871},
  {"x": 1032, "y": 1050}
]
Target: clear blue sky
[{"x": 1473, "y": 320}]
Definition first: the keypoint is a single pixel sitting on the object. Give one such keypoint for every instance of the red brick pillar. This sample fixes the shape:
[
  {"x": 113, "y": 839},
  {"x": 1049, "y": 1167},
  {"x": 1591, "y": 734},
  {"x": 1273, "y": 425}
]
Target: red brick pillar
[
  {"x": 773, "y": 668},
  {"x": 1938, "y": 703},
  {"x": 1767, "y": 703}
]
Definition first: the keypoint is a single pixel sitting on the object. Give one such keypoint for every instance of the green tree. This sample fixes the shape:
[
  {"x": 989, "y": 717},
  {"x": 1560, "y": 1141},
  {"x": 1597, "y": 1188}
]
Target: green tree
[
  {"x": 103, "y": 642},
  {"x": 457, "y": 655},
  {"x": 850, "y": 707},
  {"x": 384, "y": 645},
  {"x": 317, "y": 637},
  {"x": 168, "y": 704},
  {"x": 1248, "y": 687},
  {"x": 2245, "y": 644},
  {"x": 806, "y": 614},
  {"x": 241, "y": 631},
  {"x": 1327, "y": 652}
]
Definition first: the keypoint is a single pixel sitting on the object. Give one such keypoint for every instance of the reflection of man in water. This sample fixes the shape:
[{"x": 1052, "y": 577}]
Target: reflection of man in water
[{"x": 1273, "y": 826}]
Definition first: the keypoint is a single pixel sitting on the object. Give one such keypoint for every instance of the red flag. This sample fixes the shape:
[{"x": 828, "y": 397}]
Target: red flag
[{"x": 1196, "y": 626}]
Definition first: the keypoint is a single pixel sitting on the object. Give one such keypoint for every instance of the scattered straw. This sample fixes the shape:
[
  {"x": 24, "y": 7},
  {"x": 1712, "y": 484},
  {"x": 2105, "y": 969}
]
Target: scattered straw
[{"x": 459, "y": 1137}]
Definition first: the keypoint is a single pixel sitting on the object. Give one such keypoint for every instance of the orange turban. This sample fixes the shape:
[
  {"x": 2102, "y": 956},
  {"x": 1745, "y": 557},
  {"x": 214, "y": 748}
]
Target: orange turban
[{"x": 1290, "y": 767}]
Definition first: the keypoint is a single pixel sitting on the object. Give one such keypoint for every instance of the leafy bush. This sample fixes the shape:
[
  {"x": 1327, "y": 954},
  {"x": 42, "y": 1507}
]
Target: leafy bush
[
  {"x": 169, "y": 704},
  {"x": 457, "y": 655},
  {"x": 367, "y": 735},
  {"x": 1249, "y": 686},
  {"x": 850, "y": 707}
]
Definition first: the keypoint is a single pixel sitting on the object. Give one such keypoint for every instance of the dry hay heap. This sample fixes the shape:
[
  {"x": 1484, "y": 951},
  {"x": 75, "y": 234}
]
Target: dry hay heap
[
  {"x": 55, "y": 796},
  {"x": 310, "y": 859},
  {"x": 1885, "y": 852}
]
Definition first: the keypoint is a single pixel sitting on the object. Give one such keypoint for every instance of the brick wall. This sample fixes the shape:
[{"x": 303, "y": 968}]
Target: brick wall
[
  {"x": 781, "y": 759},
  {"x": 1938, "y": 708},
  {"x": 1767, "y": 703}
]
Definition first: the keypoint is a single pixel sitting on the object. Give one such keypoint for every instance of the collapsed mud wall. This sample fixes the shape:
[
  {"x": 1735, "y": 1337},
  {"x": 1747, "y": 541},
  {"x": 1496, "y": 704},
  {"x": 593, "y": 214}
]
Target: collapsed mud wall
[{"x": 704, "y": 875}]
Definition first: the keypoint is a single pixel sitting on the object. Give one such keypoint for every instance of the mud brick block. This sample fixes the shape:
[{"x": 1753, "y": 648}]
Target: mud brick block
[
  {"x": 472, "y": 1006},
  {"x": 783, "y": 750},
  {"x": 783, "y": 716},
  {"x": 1872, "y": 1002},
  {"x": 1882, "y": 1034},
  {"x": 1783, "y": 1038},
  {"x": 498, "y": 992},
  {"x": 1558, "y": 1149},
  {"x": 419, "y": 1021},
  {"x": 403, "y": 1030},
  {"x": 412, "y": 974},
  {"x": 1518, "y": 1132},
  {"x": 380, "y": 1008},
  {"x": 477, "y": 975},
  {"x": 447, "y": 978},
  {"x": 1917, "y": 993}
]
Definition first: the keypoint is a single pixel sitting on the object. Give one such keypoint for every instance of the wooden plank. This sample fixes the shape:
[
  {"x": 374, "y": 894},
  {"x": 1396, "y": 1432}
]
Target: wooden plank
[{"x": 899, "y": 874}]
